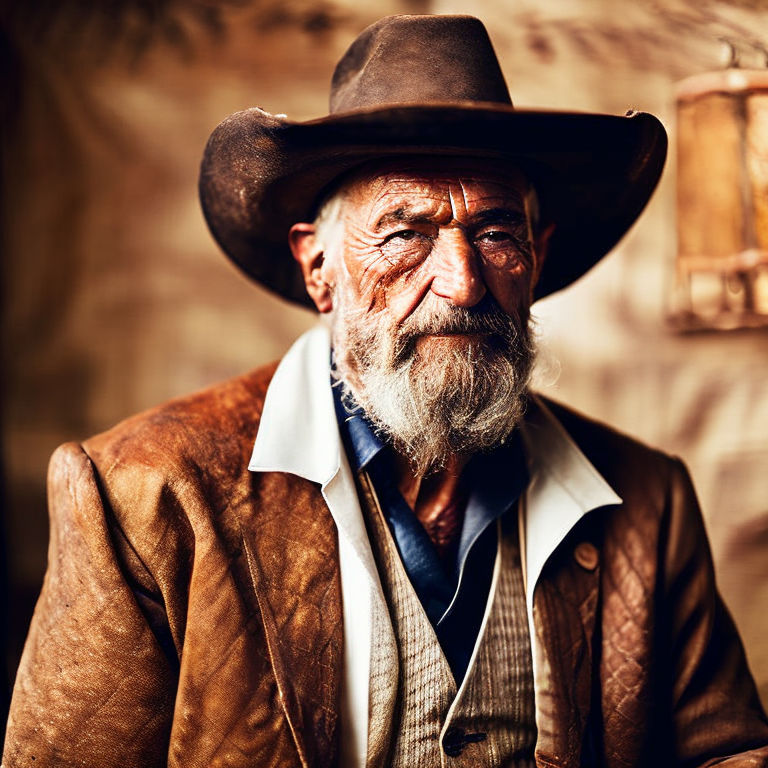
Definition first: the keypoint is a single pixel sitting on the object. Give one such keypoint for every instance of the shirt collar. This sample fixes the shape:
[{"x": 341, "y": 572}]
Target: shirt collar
[
  {"x": 362, "y": 442},
  {"x": 298, "y": 431}
]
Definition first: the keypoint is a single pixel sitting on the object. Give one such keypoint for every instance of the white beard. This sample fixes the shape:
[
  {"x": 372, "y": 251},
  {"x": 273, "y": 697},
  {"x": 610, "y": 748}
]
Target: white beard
[{"x": 465, "y": 397}]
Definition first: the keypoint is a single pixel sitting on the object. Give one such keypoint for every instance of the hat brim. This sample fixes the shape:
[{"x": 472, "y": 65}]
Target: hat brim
[{"x": 593, "y": 175}]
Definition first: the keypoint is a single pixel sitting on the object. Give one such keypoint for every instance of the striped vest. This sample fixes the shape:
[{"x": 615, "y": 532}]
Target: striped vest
[{"x": 490, "y": 719}]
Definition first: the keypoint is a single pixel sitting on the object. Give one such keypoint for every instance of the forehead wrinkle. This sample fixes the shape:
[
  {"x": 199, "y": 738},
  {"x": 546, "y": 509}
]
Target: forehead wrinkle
[
  {"x": 456, "y": 214},
  {"x": 464, "y": 194},
  {"x": 493, "y": 190},
  {"x": 412, "y": 195}
]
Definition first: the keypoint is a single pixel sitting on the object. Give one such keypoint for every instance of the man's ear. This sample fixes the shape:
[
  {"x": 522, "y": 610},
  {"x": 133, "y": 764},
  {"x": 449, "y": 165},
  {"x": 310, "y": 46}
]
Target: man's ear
[
  {"x": 540, "y": 250},
  {"x": 308, "y": 251}
]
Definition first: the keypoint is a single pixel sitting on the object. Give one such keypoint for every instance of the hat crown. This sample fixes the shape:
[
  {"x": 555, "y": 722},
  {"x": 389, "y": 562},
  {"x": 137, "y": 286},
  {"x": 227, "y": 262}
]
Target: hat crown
[{"x": 418, "y": 59}]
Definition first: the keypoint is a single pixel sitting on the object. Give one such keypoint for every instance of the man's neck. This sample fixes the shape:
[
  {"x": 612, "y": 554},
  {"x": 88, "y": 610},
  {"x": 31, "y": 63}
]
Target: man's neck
[{"x": 438, "y": 500}]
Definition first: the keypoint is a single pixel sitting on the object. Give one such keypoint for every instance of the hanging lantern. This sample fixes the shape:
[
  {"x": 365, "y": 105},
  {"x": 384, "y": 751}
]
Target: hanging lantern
[{"x": 722, "y": 200}]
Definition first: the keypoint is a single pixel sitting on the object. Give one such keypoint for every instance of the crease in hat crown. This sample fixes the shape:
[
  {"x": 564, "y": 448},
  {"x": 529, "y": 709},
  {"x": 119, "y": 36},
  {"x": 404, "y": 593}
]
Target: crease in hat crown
[{"x": 418, "y": 60}]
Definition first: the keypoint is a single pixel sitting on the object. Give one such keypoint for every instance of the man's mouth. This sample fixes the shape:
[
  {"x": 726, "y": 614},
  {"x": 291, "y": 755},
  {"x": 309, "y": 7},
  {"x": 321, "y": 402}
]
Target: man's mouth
[
  {"x": 452, "y": 334},
  {"x": 456, "y": 336},
  {"x": 452, "y": 338}
]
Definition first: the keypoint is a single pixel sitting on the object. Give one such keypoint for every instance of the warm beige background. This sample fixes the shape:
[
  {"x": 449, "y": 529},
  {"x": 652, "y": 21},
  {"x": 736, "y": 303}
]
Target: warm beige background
[{"x": 116, "y": 297}]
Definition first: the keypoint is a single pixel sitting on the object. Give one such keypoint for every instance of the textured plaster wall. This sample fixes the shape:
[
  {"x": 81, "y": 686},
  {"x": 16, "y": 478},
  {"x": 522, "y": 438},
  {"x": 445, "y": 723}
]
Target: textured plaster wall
[{"x": 115, "y": 297}]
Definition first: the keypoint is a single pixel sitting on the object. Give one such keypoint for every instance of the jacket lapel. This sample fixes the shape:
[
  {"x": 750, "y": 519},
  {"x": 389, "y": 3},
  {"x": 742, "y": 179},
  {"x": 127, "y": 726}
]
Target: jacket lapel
[
  {"x": 564, "y": 609},
  {"x": 562, "y": 581},
  {"x": 291, "y": 547}
]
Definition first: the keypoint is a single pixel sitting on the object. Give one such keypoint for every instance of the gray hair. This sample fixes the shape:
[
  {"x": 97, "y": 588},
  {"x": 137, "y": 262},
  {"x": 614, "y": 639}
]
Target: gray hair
[{"x": 328, "y": 222}]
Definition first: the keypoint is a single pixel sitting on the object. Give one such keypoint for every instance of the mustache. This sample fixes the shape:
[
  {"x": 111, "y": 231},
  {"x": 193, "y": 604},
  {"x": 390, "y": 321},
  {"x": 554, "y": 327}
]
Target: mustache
[{"x": 485, "y": 318}]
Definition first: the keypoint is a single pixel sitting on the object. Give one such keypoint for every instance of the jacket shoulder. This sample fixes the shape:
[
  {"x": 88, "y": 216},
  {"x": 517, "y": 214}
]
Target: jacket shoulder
[
  {"x": 172, "y": 467},
  {"x": 218, "y": 421}
]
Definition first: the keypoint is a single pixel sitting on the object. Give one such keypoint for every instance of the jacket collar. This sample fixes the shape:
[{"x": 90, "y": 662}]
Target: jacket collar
[{"x": 564, "y": 486}]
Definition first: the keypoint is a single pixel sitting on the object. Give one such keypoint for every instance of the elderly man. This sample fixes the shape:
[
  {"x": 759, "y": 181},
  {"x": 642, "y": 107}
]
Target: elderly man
[{"x": 419, "y": 562}]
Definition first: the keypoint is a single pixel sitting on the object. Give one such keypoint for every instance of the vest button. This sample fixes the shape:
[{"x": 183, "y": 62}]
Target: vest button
[
  {"x": 455, "y": 740},
  {"x": 586, "y": 555}
]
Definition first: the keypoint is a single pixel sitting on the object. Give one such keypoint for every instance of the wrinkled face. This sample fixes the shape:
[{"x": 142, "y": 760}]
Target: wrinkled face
[
  {"x": 458, "y": 234},
  {"x": 429, "y": 273}
]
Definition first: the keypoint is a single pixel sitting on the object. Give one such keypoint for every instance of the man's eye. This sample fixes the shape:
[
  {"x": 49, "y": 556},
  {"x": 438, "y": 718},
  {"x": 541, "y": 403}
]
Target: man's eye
[
  {"x": 405, "y": 235},
  {"x": 495, "y": 236}
]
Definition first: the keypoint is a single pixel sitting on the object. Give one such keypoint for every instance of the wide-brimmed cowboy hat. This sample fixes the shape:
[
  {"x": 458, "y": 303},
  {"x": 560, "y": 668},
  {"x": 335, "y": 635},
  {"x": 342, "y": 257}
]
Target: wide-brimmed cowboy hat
[{"x": 427, "y": 85}]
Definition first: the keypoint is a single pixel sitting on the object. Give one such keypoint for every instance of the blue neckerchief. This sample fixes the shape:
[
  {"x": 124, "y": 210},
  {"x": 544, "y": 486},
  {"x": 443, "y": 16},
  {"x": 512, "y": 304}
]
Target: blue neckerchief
[{"x": 453, "y": 595}]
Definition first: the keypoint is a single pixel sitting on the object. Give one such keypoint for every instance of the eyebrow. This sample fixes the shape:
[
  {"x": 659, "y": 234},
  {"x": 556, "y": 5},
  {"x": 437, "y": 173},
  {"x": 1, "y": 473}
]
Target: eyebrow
[
  {"x": 496, "y": 215},
  {"x": 407, "y": 215},
  {"x": 400, "y": 215}
]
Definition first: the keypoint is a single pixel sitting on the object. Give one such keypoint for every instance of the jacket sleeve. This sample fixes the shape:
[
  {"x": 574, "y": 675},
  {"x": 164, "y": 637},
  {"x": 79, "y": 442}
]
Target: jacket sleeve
[
  {"x": 94, "y": 687},
  {"x": 718, "y": 718}
]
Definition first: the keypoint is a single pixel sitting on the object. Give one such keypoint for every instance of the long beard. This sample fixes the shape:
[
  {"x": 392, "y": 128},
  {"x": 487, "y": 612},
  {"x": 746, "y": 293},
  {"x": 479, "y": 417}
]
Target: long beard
[{"x": 434, "y": 401}]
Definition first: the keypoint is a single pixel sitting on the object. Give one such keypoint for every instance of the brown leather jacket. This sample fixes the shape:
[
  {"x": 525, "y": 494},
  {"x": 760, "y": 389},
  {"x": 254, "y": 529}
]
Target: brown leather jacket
[{"x": 191, "y": 612}]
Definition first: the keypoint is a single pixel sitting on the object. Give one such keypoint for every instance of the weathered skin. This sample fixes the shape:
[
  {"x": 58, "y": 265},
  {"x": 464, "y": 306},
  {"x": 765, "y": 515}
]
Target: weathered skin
[
  {"x": 414, "y": 232},
  {"x": 411, "y": 230}
]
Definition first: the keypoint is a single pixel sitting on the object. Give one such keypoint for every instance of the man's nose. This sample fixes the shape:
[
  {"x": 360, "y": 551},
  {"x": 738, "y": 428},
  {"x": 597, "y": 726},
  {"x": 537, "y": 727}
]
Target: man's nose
[{"x": 456, "y": 270}]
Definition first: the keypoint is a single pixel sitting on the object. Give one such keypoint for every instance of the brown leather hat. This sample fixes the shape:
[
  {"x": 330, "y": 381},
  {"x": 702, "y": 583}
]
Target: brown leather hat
[{"x": 428, "y": 85}]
